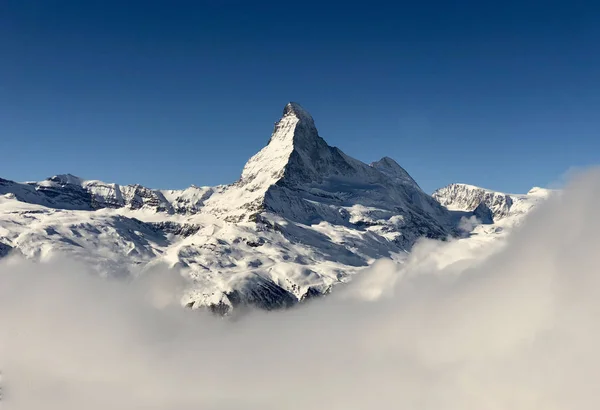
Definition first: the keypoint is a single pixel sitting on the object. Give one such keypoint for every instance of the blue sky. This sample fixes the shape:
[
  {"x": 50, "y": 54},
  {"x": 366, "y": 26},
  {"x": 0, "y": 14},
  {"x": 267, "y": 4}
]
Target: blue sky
[{"x": 172, "y": 93}]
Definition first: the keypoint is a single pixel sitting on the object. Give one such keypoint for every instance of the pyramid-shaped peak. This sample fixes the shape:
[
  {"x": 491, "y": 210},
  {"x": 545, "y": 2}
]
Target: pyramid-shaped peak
[
  {"x": 295, "y": 149},
  {"x": 295, "y": 129},
  {"x": 296, "y": 110}
]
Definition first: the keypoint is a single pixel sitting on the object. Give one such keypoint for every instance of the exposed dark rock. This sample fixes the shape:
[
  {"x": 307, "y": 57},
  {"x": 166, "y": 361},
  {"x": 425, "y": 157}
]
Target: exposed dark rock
[
  {"x": 176, "y": 228},
  {"x": 4, "y": 249},
  {"x": 484, "y": 214}
]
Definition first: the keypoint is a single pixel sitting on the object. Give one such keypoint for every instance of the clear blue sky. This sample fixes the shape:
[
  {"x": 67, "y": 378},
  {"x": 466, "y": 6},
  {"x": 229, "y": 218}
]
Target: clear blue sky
[{"x": 504, "y": 95}]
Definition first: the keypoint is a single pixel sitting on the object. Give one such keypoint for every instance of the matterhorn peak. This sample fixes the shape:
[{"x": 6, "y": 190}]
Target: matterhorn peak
[
  {"x": 296, "y": 110},
  {"x": 294, "y": 131},
  {"x": 295, "y": 126}
]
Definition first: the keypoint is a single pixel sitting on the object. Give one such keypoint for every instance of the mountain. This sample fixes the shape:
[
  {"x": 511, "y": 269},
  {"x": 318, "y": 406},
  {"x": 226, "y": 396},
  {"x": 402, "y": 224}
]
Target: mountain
[
  {"x": 463, "y": 197},
  {"x": 73, "y": 193},
  {"x": 302, "y": 218},
  {"x": 496, "y": 213}
]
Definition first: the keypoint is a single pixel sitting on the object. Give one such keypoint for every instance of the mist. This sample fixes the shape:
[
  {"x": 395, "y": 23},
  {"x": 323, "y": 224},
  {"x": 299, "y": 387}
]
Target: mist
[{"x": 513, "y": 326}]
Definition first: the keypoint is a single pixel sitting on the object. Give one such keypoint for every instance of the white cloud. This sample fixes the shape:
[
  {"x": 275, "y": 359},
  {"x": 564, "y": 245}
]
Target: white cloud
[
  {"x": 467, "y": 224},
  {"x": 515, "y": 330}
]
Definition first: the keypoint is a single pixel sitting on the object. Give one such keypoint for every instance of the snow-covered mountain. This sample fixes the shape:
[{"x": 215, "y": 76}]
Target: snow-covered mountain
[
  {"x": 73, "y": 193},
  {"x": 464, "y": 197},
  {"x": 496, "y": 213},
  {"x": 302, "y": 218}
]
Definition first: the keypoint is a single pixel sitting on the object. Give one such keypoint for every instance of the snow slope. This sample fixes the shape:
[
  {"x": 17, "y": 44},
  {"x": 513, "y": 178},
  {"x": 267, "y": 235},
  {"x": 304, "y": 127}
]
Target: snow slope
[{"x": 302, "y": 218}]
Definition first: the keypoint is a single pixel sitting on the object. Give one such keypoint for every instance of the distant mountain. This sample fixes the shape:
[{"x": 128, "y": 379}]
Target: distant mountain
[
  {"x": 302, "y": 218},
  {"x": 74, "y": 193},
  {"x": 463, "y": 197}
]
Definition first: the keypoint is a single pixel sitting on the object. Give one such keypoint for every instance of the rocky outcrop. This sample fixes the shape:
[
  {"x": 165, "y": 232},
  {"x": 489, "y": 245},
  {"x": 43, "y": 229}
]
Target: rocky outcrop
[{"x": 4, "y": 249}]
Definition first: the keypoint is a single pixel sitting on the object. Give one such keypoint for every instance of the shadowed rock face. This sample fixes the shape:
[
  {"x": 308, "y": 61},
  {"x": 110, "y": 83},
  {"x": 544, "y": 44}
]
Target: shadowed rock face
[
  {"x": 4, "y": 249},
  {"x": 392, "y": 169},
  {"x": 484, "y": 214},
  {"x": 302, "y": 217}
]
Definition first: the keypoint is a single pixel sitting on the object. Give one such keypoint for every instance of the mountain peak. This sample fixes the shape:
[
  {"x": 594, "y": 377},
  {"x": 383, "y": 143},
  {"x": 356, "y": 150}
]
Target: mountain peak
[
  {"x": 296, "y": 110},
  {"x": 66, "y": 179},
  {"x": 295, "y": 131},
  {"x": 294, "y": 126}
]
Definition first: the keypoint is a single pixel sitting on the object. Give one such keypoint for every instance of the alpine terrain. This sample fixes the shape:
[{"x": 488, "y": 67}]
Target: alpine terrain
[{"x": 302, "y": 218}]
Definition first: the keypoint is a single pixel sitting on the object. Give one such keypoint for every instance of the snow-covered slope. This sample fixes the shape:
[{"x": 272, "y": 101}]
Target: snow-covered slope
[{"x": 302, "y": 218}]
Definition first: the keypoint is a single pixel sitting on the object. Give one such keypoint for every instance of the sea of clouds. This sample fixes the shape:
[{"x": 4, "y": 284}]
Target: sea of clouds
[{"x": 455, "y": 328}]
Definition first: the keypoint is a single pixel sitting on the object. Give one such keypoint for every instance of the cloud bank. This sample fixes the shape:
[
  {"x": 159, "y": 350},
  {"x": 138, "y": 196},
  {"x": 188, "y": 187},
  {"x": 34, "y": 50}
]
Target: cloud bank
[{"x": 455, "y": 328}]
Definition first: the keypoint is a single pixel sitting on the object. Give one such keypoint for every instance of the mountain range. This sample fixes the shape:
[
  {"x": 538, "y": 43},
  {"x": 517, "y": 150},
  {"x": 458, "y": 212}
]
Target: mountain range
[{"x": 302, "y": 218}]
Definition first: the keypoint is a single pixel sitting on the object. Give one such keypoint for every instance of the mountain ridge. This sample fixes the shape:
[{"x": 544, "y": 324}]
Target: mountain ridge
[{"x": 466, "y": 197}]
